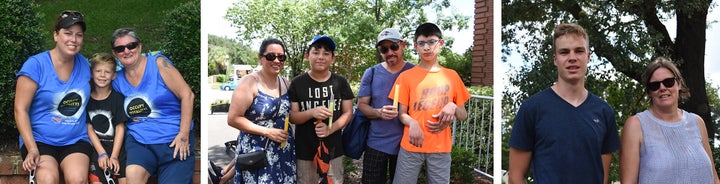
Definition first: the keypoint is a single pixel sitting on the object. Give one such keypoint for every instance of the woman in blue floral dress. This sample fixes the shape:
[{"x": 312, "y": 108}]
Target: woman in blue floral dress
[{"x": 260, "y": 104}]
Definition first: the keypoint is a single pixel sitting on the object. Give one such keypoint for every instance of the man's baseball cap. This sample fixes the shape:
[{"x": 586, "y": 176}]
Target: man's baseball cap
[
  {"x": 323, "y": 37},
  {"x": 391, "y": 34}
]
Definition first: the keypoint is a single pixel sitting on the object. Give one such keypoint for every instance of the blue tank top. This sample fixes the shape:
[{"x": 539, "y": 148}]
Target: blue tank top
[
  {"x": 153, "y": 111},
  {"x": 57, "y": 112}
]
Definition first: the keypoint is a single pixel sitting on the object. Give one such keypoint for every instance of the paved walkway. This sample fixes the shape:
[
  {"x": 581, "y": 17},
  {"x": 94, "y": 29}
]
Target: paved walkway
[
  {"x": 219, "y": 133},
  {"x": 217, "y": 129}
]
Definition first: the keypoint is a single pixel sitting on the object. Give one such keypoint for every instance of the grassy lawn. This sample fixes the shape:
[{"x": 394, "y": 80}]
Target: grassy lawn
[{"x": 103, "y": 17}]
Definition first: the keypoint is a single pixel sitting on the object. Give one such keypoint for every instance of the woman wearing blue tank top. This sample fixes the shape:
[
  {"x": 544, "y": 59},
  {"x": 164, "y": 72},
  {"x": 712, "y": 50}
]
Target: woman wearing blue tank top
[
  {"x": 50, "y": 98},
  {"x": 665, "y": 144},
  {"x": 158, "y": 103}
]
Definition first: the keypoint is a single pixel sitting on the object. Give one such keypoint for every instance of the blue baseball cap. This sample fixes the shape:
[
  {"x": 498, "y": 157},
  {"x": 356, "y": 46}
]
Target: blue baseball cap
[{"x": 323, "y": 37}]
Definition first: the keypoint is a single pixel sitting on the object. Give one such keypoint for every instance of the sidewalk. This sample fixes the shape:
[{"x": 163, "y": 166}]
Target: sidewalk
[{"x": 221, "y": 133}]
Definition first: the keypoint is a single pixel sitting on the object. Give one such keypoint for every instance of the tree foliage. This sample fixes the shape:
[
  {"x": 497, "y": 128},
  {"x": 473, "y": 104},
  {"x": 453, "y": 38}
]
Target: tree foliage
[
  {"x": 220, "y": 47},
  {"x": 353, "y": 25},
  {"x": 624, "y": 36},
  {"x": 461, "y": 63},
  {"x": 19, "y": 40},
  {"x": 182, "y": 43}
]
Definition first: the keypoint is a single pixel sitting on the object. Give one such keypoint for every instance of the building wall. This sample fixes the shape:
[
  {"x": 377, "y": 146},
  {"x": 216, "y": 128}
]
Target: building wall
[{"x": 482, "y": 56}]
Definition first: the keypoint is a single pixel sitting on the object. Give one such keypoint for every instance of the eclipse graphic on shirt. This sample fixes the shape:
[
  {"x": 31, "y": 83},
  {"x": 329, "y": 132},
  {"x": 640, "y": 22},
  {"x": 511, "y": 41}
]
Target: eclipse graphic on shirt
[
  {"x": 138, "y": 107},
  {"x": 100, "y": 120},
  {"x": 70, "y": 104}
]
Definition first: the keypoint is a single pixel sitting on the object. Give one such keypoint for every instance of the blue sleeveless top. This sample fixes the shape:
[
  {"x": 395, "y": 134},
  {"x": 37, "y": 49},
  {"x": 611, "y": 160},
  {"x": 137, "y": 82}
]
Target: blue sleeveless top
[
  {"x": 153, "y": 111},
  {"x": 672, "y": 152},
  {"x": 57, "y": 112}
]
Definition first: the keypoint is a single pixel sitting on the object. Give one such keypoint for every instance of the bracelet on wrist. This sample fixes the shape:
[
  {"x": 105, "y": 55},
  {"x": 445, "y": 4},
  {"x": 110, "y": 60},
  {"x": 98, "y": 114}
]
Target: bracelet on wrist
[
  {"x": 102, "y": 155},
  {"x": 114, "y": 158}
]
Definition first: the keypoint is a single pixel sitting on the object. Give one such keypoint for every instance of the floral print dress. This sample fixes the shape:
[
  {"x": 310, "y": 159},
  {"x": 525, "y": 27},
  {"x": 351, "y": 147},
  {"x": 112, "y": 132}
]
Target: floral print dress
[{"x": 268, "y": 111}]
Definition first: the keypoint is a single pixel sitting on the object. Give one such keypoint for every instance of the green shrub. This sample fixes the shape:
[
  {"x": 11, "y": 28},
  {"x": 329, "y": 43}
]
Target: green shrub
[
  {"x": 221, "y": 78},
  {"x": 461, "y": 168},
  {"x": 480, "y": 90},
  {"x": 220, "y": 101},
  {"x": 20, "y": 38},
  {"x": 348, "y": 165},
  {"x": 182, "y": 45}
]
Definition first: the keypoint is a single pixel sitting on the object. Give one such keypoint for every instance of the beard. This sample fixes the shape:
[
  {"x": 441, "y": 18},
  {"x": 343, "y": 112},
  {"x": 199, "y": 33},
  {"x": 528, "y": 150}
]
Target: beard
[{"x": 392, "y": 60}]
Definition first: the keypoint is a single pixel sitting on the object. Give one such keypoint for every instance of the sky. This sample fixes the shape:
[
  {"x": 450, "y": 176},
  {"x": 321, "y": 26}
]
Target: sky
[
  {"x": 712, "y": 44},
  {"x": 217, "y": 25}
]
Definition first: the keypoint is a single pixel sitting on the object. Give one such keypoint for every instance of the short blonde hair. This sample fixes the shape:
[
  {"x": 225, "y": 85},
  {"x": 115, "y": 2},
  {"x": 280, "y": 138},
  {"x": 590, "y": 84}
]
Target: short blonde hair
[
  {"x": 102, "y": 57},
  {"x": 570, "y": 28}
]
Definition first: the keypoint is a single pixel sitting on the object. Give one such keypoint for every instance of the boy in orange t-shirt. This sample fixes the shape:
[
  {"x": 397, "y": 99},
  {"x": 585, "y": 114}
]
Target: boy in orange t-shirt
[{"x": 430, "y": 97}]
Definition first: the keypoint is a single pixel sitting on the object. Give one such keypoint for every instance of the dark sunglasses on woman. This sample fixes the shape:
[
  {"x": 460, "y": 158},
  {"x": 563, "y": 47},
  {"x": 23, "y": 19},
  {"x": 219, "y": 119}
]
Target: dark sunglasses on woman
[
  {"x": 272, "y": 57},
  {"x": 668, "y": 83},
  {"x": 129, "y": 46}
]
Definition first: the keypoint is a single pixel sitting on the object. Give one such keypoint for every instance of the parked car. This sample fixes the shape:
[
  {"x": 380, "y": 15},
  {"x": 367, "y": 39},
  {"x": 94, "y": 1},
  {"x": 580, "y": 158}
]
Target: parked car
[{"x": 227, "y": 86}]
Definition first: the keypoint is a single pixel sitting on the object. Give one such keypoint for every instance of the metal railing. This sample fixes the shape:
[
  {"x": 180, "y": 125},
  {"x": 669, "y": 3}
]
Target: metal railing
[{"x": 476, "y": 133}]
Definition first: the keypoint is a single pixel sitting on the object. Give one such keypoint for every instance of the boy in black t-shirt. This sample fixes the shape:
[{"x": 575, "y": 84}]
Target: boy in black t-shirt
[
  {"x": 311, "y": 95},
  {"x": 106, "y": 122}
]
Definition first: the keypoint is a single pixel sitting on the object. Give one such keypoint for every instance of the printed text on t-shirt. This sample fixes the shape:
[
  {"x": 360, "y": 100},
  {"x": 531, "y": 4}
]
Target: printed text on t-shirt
[
  {"x": 432, "y": 98},
  {"x": 319, "y": 96}
]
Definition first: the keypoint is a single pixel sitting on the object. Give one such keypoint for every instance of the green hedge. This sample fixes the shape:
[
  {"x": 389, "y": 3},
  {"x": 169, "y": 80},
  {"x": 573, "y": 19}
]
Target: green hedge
[
  {"x": 182, "y": 46},
  {"x": 20, "y": 37},
  {"x": 221, "y": 78}
]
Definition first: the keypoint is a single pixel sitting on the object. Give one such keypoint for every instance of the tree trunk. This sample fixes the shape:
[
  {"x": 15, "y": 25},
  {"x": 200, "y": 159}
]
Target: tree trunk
[{"x": 690, "y": 54}]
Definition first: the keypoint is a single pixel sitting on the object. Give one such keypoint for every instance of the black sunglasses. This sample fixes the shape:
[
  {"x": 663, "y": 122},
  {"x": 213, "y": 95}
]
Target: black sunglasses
[
  {"x": 393, "y": 47},
  {"x": 668, "y": 83},
  {"x": 129, "y": 46},
  {"x": 272, "y": 57}
]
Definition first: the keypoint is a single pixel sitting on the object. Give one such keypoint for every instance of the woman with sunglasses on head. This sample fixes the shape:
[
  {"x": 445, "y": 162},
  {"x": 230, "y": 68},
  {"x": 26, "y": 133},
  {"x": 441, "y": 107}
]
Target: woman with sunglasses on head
[
  {"x": 51, "y": 93},
  {"x": 158, "y": 103},
  {"x": 259, "y": 107},
  {"x": 665, "y": 144}
]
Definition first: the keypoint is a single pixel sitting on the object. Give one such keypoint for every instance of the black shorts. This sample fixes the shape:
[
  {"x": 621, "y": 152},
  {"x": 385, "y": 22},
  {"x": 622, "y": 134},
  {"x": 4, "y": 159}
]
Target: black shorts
[
  {"x": 59, "y": 152},
  {"x": 122, "y": 159}
]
